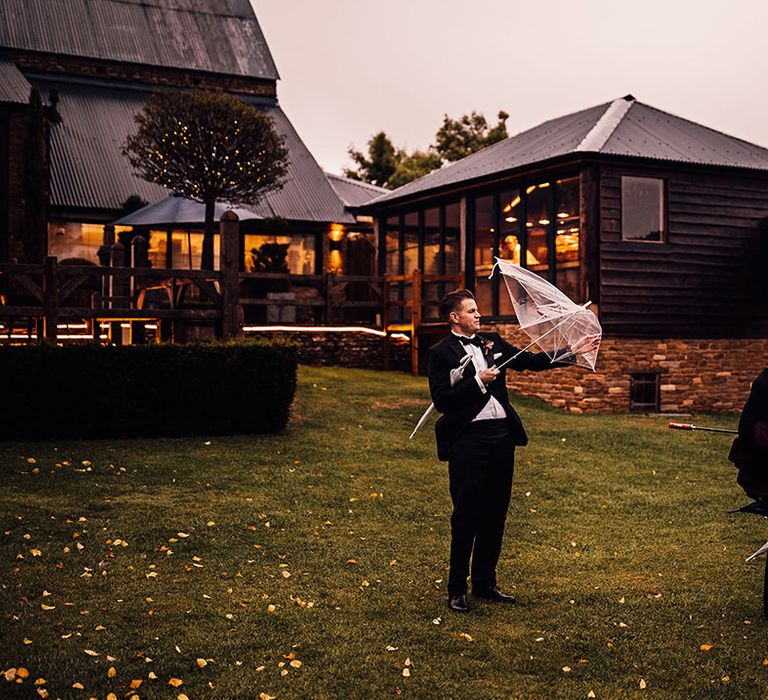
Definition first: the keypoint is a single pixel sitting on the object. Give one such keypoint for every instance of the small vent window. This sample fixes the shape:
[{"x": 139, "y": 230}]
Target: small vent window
[{"x": 644, "y": 392}]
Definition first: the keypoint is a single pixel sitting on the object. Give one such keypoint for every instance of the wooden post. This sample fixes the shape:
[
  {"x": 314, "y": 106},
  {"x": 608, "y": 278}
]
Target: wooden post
[
  {"x": 51, "y": 298},
  {"x": 415, "y": 321},
  {"x": 230, "y": 274},
  {"x": 139, "y": 259}
]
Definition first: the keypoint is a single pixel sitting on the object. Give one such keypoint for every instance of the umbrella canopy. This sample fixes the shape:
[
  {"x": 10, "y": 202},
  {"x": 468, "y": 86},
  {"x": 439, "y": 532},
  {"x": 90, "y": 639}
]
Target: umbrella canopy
[
  {"x": 176, "y": 210},
  {"x": 555, "y": 323}
]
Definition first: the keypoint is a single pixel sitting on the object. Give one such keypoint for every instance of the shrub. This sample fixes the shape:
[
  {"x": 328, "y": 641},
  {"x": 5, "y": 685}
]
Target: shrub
[{"x": 146, "y": 390}]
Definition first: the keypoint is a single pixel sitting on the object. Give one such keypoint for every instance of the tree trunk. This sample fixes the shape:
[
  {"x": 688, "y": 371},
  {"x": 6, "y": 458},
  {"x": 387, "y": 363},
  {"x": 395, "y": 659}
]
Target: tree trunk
[{"x": 206, "y": 262}]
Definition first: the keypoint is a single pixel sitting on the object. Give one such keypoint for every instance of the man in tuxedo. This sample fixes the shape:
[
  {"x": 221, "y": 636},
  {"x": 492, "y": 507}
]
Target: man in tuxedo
[{"x": 477, "y": 435}]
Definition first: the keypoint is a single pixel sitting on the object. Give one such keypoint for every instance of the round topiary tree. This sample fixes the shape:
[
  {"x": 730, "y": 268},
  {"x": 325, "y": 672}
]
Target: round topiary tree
[{"x": 208, "y": 146}]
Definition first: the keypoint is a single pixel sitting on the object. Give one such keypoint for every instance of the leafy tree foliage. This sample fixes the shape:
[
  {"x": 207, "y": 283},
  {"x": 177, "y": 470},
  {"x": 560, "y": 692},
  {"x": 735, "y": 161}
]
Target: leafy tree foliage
[
  {"x": 458, "y": 138},
  {"x": 380, "y": 163},
  {"x": 208, "y": 146},
  {"x": 387, "y": 166},
  {"x": 412, "y": 166}
]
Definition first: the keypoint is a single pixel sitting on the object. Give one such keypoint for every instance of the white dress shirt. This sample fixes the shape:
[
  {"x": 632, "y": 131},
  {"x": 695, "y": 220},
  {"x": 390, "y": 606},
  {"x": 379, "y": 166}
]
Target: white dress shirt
[{"x": 493, "y": 409}]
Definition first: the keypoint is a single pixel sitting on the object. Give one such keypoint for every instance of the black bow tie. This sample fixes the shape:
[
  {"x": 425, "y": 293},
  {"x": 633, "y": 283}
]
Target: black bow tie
[{"x": 471, "y": 341}]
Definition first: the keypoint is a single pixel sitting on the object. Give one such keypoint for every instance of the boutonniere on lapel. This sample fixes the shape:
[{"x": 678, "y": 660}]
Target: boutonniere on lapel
[{"x": 487, "y": 345}]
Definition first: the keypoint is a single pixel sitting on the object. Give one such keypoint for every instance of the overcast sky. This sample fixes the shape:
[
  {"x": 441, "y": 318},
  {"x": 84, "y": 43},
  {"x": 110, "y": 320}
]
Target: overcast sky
[{"x": 350, "y": 68}]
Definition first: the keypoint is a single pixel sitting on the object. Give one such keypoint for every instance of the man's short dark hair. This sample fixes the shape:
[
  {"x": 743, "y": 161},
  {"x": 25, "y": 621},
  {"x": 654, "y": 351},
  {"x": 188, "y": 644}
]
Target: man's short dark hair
[{"x": 452, "y": 301}]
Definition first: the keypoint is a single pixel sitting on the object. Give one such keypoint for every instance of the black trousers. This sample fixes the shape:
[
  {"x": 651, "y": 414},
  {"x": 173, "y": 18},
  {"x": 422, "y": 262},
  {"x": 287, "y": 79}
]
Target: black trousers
[{"x": 480, "y": 475}]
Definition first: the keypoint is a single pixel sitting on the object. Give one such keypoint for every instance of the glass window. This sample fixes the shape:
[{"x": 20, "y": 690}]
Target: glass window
[
  {"x": 73, "y": 240},
  {"x": 410, "y": 242},
  {"x": 567, "y": 231},
  {"x": 158, "y": 249},
  {"x": 392, "y": 242},
  {"x": 452, "y": 232},
  {"x": 642, "y": 209},
  {"x": 484, "y": 248},
  {"x": 187, "y": 250},
  {"x": 432, "y": 241},
  {"x": 509, "y": 241},
  {"x": 284, "y": 253},
  {"x": 537, "y": 224}
]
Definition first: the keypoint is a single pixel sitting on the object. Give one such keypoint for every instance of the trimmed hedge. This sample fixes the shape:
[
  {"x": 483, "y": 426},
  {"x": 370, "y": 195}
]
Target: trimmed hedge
[{"x": 146, "y": 390}]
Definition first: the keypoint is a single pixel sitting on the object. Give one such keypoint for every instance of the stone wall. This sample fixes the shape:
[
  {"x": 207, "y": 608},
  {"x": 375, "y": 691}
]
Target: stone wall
[
  {"x": 695, "y": 376},
  {"x": 348, "y": 349}
]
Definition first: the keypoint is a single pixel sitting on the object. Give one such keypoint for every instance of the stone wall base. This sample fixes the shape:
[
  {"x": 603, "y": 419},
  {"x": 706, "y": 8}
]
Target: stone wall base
[
  {"x": 695, "y": 376},
  {"x": 345, "y": 348}
]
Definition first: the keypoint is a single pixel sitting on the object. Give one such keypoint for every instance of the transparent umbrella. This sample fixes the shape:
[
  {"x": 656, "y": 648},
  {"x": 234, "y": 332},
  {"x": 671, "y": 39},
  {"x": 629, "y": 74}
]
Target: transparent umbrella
[{"x": 561, "y": 328}]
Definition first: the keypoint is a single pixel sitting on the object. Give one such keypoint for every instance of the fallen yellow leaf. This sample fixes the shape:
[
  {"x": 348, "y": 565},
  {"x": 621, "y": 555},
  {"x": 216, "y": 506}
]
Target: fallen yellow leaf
[
  {"x": 91, "y": 652},
  {"x": 35, "y": 552},
  {"x": 643, "y": 684},
  {"x": 175, "y": 682},
  {"x": 136, "y": 683},
  {"x": 22, "y": 672},
  {"x": 47, "y": 607},
  {"x": 296, "y": 663},
  {"x": 406, "y": 672},
  {"x": 78, "y": 686},
  {"x": 201, "y": 663},
  {"x": 264, "y": 696},
  {"x": 27, "y": 641},
  {"x": 111, "y": 672},
  {"x": 705, "y": 647}
]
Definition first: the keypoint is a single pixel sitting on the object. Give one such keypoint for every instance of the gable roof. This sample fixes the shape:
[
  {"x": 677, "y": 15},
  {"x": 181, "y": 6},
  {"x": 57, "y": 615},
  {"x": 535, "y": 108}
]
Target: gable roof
[
  {"x": 14, "y": 87},
  {"x": 218, "y": 36},
  {"x": 623, "y": 127},
  {"x": 354, "y": 192},
  {"x": 89, "y": 171}
]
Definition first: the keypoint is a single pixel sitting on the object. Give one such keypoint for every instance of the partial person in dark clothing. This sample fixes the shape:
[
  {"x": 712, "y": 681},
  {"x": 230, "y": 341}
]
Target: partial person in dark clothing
[{"x": 750, "y": 450}]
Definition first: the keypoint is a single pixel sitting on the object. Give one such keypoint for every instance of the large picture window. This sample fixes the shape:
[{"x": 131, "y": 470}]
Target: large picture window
[
  {"x": 642, "y": 209},
  {"x": 536, "y": 226},
  {"x": 283, "y": 253}
]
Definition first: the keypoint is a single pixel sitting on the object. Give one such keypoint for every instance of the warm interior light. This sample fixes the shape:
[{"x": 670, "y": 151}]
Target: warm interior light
[
  {"x": 512, "y": 204},
  {"x": 562, "y": 215},
  {"x": 510, "y": 219},
  {"x": 544, "y": 184},
  {"x": 528, "y": 224},
  {"x": 530, "y": 189},
  {"x": 336, "y": 233},
  {"x": 544, "y": 222}
]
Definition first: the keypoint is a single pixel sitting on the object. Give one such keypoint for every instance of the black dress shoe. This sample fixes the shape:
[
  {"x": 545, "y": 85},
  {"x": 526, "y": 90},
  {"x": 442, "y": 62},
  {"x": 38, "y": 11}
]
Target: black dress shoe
[
  {"x": 493, "y": 593},
  {"x": 458, "y": 603}
]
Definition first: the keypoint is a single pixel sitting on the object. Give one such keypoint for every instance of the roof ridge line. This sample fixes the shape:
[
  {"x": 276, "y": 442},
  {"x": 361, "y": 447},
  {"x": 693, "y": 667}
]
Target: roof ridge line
[{"x": 599, "y": 134}]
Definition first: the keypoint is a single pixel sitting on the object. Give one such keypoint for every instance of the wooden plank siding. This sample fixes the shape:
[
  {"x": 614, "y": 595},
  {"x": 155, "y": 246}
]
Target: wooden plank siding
[{"x": 709, "y": 279}]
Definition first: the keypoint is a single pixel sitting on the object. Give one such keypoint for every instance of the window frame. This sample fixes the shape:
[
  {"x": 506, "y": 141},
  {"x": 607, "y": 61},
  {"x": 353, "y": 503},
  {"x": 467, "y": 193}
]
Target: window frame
[{"x": 664, "y": 217}]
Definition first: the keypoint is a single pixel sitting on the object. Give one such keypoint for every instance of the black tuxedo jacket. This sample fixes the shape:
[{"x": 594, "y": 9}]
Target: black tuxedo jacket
[{"x": 461, "y": 402}]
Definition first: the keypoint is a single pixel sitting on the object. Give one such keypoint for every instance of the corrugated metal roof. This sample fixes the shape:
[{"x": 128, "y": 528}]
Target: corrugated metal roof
[
  {"x": 648, "y": 132},
  {"x": 548, "y": 140},
  {"x": 623, "y": 127},
  {"x": 221, "y": 36},
  {"x": 354, "y": 192},
  {"x": 89, "y": 171},
  {"x": 13, "y": 85}
]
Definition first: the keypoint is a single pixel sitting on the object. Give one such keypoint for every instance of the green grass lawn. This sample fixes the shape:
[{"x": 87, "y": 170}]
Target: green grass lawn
[{"x": 313, "y": 563}]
